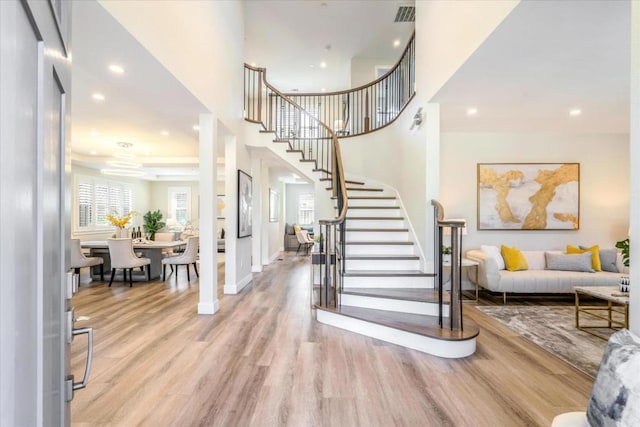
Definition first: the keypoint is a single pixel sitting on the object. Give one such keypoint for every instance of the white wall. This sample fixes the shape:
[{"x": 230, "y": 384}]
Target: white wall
[
  {"x": 604, "y": 183},
  {"x": 363, "y": 70},
  {"x": 634, "y": 295},
  {"x": 141, "y": 200}
]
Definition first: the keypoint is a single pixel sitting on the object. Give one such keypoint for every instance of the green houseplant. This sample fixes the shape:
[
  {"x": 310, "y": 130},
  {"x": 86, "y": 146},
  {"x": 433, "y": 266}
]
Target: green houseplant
[
  {"x": 153, "y": 223},
  {"x": 623, "y": 245}
]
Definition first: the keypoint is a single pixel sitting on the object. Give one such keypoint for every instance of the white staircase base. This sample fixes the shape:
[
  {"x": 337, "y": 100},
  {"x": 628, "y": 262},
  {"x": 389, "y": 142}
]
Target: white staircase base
[{"x": 437, "y": 347}]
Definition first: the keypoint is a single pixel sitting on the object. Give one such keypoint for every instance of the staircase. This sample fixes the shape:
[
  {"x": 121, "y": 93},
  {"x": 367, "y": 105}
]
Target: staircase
[
  {"x": 385, "y": 292},
  {"x": 370, "y": 278}
]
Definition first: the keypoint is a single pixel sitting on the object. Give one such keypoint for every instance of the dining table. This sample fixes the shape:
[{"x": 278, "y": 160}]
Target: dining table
[{"x": 144, "y": 248}]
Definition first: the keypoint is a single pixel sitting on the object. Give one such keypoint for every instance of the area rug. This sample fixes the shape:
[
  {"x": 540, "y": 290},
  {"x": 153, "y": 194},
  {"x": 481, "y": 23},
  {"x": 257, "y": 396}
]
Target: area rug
[{"x": 553, "y": 328}]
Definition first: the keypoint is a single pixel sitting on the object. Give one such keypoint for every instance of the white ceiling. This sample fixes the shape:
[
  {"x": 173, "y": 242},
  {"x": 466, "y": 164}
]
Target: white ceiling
[
  {"x": 147, "y": 99},
  {"x": 290, "y": 39},
  {"x": 545, "y": 59}
]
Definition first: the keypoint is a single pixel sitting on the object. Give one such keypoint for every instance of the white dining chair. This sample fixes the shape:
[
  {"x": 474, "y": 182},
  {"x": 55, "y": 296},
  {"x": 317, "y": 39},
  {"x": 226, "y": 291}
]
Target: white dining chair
[
  {"x": 304, "y": 241},
  {"x": 79, "y": 260},
  {"x": 189, "y": 256},
  {"x": 122, "y": 256},
  {"x": 165, "y": 237}
]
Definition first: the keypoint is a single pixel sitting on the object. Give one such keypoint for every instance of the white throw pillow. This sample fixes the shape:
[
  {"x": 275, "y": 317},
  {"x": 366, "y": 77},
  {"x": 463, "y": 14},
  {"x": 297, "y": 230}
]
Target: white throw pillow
[{"x": 494, "y": 252}]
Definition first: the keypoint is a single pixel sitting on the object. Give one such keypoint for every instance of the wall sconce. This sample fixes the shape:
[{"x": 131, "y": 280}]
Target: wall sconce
[{"x": 417, "y": 119}]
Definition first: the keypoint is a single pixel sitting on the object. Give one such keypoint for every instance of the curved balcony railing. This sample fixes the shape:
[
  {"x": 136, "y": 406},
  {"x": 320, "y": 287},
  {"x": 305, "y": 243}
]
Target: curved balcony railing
[{"x": 369, "y": 107}]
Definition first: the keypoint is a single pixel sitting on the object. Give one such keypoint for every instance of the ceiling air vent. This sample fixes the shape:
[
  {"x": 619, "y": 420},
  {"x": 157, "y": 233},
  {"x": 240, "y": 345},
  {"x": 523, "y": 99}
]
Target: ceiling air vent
[{"x": 405, "y": 14}]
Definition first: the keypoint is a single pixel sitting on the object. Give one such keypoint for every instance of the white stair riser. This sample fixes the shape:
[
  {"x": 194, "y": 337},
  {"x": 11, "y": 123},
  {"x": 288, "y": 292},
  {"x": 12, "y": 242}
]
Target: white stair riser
[
  {"x": 380, "y": 250},
  {"x": 414, "y": 282},
  {"x": 373, "y": 202},
  {"x": 392, "y": 304},
  {"x": 383, "y": 264},
  {"x": 385, "y": 213},
  {"x": 436, "y": 347},
  {"x": 375, "y": 223},
  {"x": 377, "y": 236}
]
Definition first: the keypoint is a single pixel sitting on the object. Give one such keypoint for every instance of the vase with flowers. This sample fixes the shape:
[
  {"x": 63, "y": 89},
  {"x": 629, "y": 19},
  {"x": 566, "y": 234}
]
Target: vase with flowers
[{"x": 121, "y": 221}]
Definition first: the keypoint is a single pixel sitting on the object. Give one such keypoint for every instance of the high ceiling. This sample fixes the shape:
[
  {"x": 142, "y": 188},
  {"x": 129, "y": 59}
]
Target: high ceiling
[
  {"x": 147, "y": 99},
  {"x": 546, "y": 59},
  {"x": 292, "y": 38}
]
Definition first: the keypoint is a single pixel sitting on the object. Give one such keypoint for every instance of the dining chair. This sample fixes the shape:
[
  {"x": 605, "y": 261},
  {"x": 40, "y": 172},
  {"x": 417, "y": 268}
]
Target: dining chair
[
  {"x": 304, "y": 241},
  {"x": 79, "y": 260},
  {"x": 189, "y": 256},
  {"x": 165, "y": 237},
  {"x": 122, "y": 256}
]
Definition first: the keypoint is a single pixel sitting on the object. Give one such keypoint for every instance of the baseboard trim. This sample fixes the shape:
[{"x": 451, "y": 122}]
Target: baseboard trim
[
  {"x": 234, "y": 289},
  {"x": 208, "y": 307}
]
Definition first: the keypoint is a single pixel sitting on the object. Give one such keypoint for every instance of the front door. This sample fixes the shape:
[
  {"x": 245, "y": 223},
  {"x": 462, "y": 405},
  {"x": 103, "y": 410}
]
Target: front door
[{"x": 35, "y": 66}]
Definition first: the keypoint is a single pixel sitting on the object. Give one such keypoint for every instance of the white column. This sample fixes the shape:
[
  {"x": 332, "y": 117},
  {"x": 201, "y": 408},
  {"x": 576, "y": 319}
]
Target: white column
[
  {"x": 257, "y": 218},
  {"x": 432, "y": 185},
  {"x": 208, "y": 303},
  {"x": 231, "y": 215},
  {"x": 634, "y": 157}
]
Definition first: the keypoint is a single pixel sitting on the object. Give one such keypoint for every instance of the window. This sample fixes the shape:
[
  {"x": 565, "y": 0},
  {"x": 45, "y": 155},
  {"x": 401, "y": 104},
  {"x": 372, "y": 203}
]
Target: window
[
  {"x": 180, "y": 204},
  {"x": 96, "y": 197},
  {"x": 305, "y": 209}
]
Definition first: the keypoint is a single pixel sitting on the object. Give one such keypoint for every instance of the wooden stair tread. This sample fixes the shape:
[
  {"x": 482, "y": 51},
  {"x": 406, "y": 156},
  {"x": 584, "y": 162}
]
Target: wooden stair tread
[
  {"x": 415, "y": 323},
  {"x": 405, "y": 294},
  {"x": 386, "y": 273},
  {"x": 359, "y": 189}
]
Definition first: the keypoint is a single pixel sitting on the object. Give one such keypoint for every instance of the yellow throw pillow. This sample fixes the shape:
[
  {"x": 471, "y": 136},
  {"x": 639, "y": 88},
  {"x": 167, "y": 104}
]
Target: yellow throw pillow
[
  {"x": 513, "y": 259},
  {"x": 296, "y": 228},
  {"x": 595, "y": 255}
]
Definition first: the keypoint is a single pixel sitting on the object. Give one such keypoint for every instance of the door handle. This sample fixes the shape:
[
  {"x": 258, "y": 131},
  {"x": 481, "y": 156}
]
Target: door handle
[{"x": 87, "y": 369}]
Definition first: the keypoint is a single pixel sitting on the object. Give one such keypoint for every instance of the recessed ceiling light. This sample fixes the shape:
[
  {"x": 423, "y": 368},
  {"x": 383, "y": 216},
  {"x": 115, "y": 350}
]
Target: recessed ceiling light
[
  {"x": 116, "y": 68},
  {"x": 195, "y": 127},
  {"x": 122, "y": 172},
  {"x": 396, "y": 43},
  {"x": 575, "y": 112},
  {"x": 93, "y": 152},
  {"x": 323, "y": 90},
  {"x": 472, "y": 111},
  {"x": 121, "y": 164},
  {"x": 164, "y": 133},
  {"x": 253, "y": 64},
  {"x": 94, "y": 133},
  {"x": 98, "y": 96},
  {"x": 323, "y": 64}
]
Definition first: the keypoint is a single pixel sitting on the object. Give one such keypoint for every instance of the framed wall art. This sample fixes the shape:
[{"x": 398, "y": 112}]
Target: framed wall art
[
  {"x": 528, "y": 196},
  {"x": 244, "y": 204}
]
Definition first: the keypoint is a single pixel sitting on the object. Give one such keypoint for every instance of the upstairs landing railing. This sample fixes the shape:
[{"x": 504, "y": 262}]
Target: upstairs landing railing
[
  {"x": 276, "y": 112},
  {"x": 366, "y": 108}
]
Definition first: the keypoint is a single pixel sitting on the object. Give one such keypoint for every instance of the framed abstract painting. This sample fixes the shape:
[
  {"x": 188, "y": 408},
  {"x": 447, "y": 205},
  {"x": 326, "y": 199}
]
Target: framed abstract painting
[{"x": 528, "y": 196}]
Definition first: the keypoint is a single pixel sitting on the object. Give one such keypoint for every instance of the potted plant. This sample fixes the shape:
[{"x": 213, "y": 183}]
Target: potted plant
[
  {"x": 153, "y": 223},
  {"x": 623, "y": 245},
  {"x": 446, "y": 253}
]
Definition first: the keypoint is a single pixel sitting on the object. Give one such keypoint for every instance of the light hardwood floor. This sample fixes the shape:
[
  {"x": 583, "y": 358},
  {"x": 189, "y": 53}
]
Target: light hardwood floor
[{"x": 263, "y": 361}]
